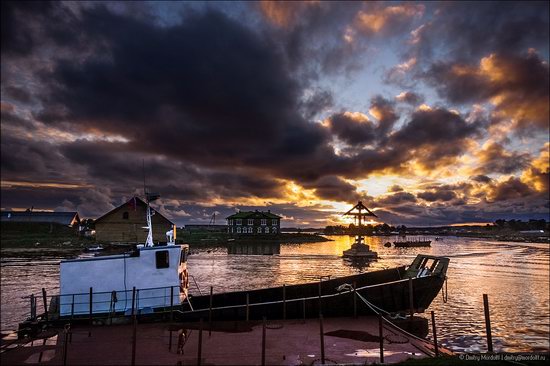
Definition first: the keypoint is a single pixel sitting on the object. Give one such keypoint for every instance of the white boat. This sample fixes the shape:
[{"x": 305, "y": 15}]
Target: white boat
[{"x": 157, "y": 272}]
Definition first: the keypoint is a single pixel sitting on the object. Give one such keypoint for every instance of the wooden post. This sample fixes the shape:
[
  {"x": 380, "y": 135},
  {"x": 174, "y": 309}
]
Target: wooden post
[
  {"x": 247, "y": 307},
  {"x": 33, "y": 307},
  {"x": 320, "y": 307},
  {"x": 134, "y": 340},
  {"x": 170, "y": 341},
  {"x": 90, "y": 312},
  {"x": 263, "y": 342},
  {"x": 284, "y": 301},
  {"x": 171, "y": 304},
  {"x": 44, "y": 298},
  {"x": 488, "y": 323},
  {"x": 322, "y": 338},
  {"x": 137, "y": 303},
  {"x": 436, "y": 348},
  {"x": 381, "y": 336},
  {"x": 133, "y": 300},
  {"x": 354, "y": 300},
  {"x": 210, "y": 312},
  {"x": 72, "y": 308},
  {"x": 304, "y": 309},
  {"x": 199, "y": 352},
  {"x": 65, "y": 345},
  {"x": 411, "y": 298}
]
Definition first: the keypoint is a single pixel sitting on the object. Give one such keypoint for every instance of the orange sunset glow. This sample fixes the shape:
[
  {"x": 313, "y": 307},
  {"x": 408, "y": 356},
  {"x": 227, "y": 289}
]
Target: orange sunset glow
[{"x": 424, "y": 111}]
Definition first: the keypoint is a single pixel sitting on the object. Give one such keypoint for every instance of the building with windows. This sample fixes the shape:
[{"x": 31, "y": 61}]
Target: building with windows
[
  {"x": 254, "y": 223},
  {"x": 125, "y": 224}
]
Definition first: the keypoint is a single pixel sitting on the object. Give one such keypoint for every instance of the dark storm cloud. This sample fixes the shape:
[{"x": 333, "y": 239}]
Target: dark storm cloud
[
  {"x": 510, "y": 189},
  {"x": 384, "y": 111},
  {"x": 115, "y": 164},
  {"x": 410, "y": 97},
  {"x": 434, "y": 135},
  {"x": 470, "y": 32},
  {"x": 495, "y": 159},
  {"x": 432, "y": 196},
  {"x": 396, "y": 199},
  {"x": 521, "y": 85},
  {"x": 208, "y": 89},
  {"x": 333, "y": 188},
  {"x": 310, "y": 34},
  {"x": 352, "y": 129},
  {"x": 481, "y": 178}
]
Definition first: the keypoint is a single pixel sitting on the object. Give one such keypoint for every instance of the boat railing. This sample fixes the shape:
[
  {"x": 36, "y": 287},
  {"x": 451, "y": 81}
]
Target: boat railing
[
  {"x": 107, "y": 304},
  {"x": 51, "y": 307}
]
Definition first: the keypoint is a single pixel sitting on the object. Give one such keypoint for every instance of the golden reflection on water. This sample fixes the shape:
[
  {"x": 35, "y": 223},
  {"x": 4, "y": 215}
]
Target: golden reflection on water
[{"x": 514, "y": 275}]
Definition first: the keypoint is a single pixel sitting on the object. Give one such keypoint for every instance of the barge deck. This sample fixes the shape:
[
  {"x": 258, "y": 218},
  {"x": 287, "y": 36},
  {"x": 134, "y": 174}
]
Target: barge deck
[{"x": 347, "y": 340}]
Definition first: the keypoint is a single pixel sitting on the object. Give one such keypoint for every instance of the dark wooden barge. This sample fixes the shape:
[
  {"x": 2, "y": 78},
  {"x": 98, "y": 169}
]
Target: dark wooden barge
[
  {"x": 388, "y": 289},
  {"x": 404, "y": 289}
]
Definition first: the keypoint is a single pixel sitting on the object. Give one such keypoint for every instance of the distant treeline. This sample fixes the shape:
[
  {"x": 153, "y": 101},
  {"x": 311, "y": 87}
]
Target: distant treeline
[
  {"x": 364, "y": 230},
  {"x": 511, "y": 225},
  {"x": 518, "y": 225}
]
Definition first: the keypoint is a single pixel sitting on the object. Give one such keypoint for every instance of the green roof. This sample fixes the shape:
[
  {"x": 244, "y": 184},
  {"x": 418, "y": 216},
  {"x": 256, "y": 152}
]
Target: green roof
[{"x": 253, "y": 215}]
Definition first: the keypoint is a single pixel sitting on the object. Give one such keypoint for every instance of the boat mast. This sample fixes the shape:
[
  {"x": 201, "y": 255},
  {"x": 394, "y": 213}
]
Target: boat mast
[{"x": 148, "y": 198}]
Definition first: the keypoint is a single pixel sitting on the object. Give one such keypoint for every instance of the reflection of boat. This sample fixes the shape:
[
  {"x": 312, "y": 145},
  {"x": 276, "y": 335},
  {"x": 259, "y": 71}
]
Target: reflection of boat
[
  {"x": 359, "y": 250},
  {"x": 387, "y": 289},
  {"x": 409, "y": 243},
  {"x": 358, "y": 263},
  {"x": 96, "y": 248}
]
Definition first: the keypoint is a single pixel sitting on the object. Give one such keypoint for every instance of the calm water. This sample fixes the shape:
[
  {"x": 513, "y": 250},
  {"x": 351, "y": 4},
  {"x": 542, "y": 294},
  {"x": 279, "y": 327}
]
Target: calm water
[{"x": 514, "y": 275}]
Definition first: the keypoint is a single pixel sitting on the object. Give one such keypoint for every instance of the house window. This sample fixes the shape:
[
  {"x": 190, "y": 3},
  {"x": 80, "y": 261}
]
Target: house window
[
  {"x": 274, "y": 230},
  {"x": 250, "y": 221},
  {"x": 274, "y": 222},
  {"x": 162, "y": 259},
  {"x": 267, "y": 230},
  {"x": 264, "y": 222},
  {"x": 230, "y": 222},
  {"x": 259, "y": 230},
  {"x": 250, "y": 230},
  {"x": 239, "y": 221},
  {"x": 125, "y": 215},
  {"x": 238, "y": 230}
]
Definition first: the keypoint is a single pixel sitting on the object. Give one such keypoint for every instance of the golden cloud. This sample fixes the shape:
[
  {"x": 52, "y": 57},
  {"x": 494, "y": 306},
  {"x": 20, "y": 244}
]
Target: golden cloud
[{"x": 378, "y": 19}]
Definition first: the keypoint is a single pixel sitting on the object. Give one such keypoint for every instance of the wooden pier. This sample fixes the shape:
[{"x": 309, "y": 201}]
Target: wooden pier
[{"x": 278, "y": 342}]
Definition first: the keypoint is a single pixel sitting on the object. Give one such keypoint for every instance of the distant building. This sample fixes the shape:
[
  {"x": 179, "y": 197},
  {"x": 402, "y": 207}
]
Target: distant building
[
  {"x": 125, "y": 224},
  {"x": 254, "y": 223},
  {"x": 63, "y": 218}
]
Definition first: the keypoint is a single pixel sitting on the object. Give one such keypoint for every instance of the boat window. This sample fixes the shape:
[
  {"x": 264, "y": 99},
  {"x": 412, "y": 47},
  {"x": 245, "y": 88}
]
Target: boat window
[
  {"x": 163, "y": 260},
  {"x": 125, "y": 215}
]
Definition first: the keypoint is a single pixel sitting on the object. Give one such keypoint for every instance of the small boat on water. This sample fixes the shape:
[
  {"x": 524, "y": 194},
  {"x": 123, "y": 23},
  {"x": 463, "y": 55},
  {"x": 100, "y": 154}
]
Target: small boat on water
[
  {"x": 95, "y": 248},
  {"x": 410, "y": 243},
  {"x": 359, "y": 250}
]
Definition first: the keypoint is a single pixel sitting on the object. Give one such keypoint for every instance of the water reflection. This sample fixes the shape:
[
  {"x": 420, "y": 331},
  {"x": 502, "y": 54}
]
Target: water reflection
[
  {"x": 247, "y": 248},
  {"x": 514, "y": 275}
]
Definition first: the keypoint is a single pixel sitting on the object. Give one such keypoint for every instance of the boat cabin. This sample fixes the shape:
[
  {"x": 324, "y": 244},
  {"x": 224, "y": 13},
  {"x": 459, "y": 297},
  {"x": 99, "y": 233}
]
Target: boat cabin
[{"x": 156, "y": 272}]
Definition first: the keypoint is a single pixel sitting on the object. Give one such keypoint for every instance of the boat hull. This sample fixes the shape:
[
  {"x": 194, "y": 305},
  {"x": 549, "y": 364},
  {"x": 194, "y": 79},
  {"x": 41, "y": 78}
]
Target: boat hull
[{"x": 386, "y": 289}]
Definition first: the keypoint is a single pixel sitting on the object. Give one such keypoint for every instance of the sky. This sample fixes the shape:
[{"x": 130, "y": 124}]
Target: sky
[{"x": 430, "y": 113}]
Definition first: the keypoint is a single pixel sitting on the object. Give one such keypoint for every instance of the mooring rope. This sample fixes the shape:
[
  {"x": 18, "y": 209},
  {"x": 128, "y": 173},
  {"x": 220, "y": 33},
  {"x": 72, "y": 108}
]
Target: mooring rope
[{"x": 347, "y": 286}]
